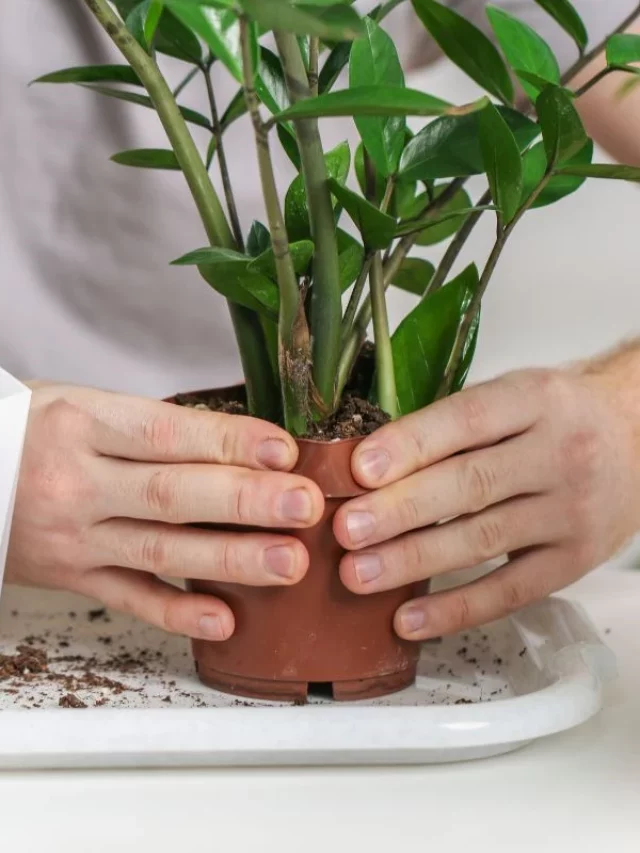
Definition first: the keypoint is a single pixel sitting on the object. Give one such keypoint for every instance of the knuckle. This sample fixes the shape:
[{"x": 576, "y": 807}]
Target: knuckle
[
  {"x": 161, "y": 434},
  {"x": 242, "y": 501},
  {"x": 516, "y": 594},
  {"x": 414, "y": 553},
  {"x": 420, "y": 446},
  {"x": 226, "y": 438},
  {"x": 473, "y": 414},
  {"x": 458, "y": 616},
  {"x": 478, "y": 484},
  {"x": 170, "y": 616},
  {"x": 156, "y": 553},
  {"x": 161, "y": 493},
  {"x": 62, "y": 420},
  {"x": 229, "y": 564},
  {"x": 408, "y": 509},
  {"x": 582, "y": 454},
  {"x": 488, "y": 538}
]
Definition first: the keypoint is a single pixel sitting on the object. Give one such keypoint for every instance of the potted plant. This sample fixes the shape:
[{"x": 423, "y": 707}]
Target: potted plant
[{"x": 303, "y": 287}]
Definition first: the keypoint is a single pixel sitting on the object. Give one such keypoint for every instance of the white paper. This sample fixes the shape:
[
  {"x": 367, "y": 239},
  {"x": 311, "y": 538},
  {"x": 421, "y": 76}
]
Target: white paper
[{"x": 14, "y": 411}]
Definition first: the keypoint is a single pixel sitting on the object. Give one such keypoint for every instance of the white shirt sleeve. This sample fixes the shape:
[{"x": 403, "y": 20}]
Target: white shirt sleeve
[{"x": 14, "y": 411}]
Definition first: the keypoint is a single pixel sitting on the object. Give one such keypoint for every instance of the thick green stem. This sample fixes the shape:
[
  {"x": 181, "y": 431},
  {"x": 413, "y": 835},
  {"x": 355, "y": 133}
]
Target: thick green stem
[
  {"x": 314, "y": 55},
  {"x": 326, "y": 298},
  {"x": 385, "y": 375},
  {"x": 356, "y": 296},
  {"x": 293, "y": 334},
  {"x": 581, "y": 90},
  {"x": 246, "y": 323}
]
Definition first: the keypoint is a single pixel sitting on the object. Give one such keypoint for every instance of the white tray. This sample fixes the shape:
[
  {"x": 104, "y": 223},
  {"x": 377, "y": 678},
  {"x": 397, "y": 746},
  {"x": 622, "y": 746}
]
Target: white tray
[{"x": 481, "y": 694}]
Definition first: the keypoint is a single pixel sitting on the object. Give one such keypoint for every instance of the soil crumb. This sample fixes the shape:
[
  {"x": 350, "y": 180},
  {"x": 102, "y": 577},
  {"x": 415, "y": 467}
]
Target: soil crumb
[{"x": 71, "y": 701}]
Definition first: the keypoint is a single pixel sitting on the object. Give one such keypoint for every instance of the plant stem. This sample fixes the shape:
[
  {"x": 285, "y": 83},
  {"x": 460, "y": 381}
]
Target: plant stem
[
  {"x": 356, "y": 296},
  {"x": 222, "y": 161},
  {"x": 326, "y": 298},
  {"x": 185, "y": 81},
  {"x": 246, "y": 323},
  {"x": 457, "y": 352},
  {"x": 314, "y": 54},
  {"x": 588, "y": 57},
  {"x": 385, "y": 8},
  {"x": 385, "y": 375},
  {"x": 293, "y": 336},
  {"x": 580, "y": 91}
]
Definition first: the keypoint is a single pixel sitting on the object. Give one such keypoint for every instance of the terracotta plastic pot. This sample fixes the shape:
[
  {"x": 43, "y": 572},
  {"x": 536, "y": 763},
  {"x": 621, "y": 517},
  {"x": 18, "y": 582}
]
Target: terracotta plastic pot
[{"x": 316, "y": 636}]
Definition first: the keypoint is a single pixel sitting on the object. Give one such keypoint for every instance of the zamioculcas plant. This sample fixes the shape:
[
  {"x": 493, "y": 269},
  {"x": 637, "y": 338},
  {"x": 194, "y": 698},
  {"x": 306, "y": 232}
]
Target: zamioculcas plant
[{"x": 305, "y": 285}]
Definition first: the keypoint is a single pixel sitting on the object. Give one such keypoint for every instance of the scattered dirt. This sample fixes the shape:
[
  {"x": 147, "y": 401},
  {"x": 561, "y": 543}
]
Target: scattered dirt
[{"x": 71, "y": 701}]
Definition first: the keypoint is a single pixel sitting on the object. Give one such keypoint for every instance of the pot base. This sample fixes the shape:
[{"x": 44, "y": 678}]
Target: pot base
[{"x": 299, "y": 691}]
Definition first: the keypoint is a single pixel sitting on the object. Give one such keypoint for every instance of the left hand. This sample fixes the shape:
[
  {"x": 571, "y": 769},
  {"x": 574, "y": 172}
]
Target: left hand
[{"x": 542, "y": 465}]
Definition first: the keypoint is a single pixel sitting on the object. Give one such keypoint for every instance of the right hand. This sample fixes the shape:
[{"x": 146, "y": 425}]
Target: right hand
[{"x": 110, "y": 483}]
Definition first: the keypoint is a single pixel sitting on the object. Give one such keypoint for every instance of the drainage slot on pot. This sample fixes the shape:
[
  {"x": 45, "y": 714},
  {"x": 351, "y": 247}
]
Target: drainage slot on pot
[{"x": 320, "y": 690}]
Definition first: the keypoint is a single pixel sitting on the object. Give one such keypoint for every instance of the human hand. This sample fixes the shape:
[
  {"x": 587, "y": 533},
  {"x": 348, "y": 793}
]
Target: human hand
[
  {"x": 541, "y": 465},
  {"x": 109, "y": 482}
]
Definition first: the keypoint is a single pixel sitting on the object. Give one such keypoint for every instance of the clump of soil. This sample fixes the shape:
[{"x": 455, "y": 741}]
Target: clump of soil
[
  {"x": 71, "y": 701},
  {"x": 355, "y": 417}
]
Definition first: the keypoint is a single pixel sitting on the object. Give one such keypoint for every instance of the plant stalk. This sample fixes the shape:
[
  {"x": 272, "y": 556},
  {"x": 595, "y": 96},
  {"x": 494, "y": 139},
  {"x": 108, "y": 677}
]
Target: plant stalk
[
  {"x": 293, "y": 334},
  {"x": 314, "y": 56},
  {"x": 223, "y": 164},
  {"x": 581, "y": 90},
  {"x": 356, "y": 296},
  {"x": 246, "y": 323},
  {"x": 385, "y": 375},
  {"x": 185, "y": 81},
  {"x": 326, "y": 298}
]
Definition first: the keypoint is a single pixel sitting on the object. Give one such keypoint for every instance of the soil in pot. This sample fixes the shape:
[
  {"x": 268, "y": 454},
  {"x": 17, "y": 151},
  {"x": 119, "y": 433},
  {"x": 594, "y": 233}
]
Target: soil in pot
[{"x": 316, "y": 637}]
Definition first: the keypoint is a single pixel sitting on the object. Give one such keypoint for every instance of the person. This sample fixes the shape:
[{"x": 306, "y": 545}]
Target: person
[{"x": 540, "y": 464}]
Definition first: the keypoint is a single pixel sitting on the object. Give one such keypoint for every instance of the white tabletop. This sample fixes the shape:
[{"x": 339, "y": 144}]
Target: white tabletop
[{"x": 572, "y": 792}]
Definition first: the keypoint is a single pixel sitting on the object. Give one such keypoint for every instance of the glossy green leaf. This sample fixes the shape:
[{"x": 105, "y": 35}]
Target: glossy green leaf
[
  {"x": 258, "y": 239},
  {"x": 92, "y": 74},
  {"x": 424, "y": 340},
  {"x": 536, "y": 83},
  {"x": 301, "y": 255},
  {"x": 228, "y": 272},
  {"x": 562, "y": 129},
  {"x": 467, "y": 47},
  {"x": 377, "y": 228},
  {"x": 524, "y": 49},
  {"x": 290, "y": 146},
  {"x": 172, "y": 37},
  {"x": 378, "y": 183},
  {"x": 350, "y": 258},
  {"x": 374, "y": 61},
  {"x": 334, "y": 64},
  {"x": 449, "y": 147},
  {"x": 272, "y": 87},
  {"x": 502, "y": 163},
  {"x": 148, "y": 158},
  {"x": 143, "y": 22},
  {"x": 367, "y": 101},
  {"x": 534, "y": 165},
  {"x": 296, "y": 210},
  {"x": 564, "y": 13},
  {"x": 414, "y": 275},
  {"x": 623, "y": 49},
  {"x": 335, "y": 22},
  {"x": 144, "y": 101},
  {"x": 437, "y": 222},
  {"x": 449, "y": 219},
  {"x": 616, "y": 172},
  {"x": 212, "y": 4}
]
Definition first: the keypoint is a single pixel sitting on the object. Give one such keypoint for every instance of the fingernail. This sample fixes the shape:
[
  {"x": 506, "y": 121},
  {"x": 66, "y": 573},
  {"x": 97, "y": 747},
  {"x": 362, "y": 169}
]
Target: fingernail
[
  {"x": 368, "y": 567},
  {"x": 280, "y": 561},
  {"x": 296, "y": 505},
  {"x": 274, "y": 453},
  {"x": 211, "y": 628},
  {"x": 411, "y": 620},
  {"x": 360, "y": 526},
  {"x": 373, "y": 464}
]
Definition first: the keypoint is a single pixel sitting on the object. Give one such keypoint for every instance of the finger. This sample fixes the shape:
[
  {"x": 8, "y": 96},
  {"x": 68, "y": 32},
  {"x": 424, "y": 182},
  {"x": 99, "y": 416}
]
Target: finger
[
  {"x": 523, "y": 581},
  {"x": 467, "y": 483},
  {"x": 189, "y": 494},
  {"x": 152, "y": 431},
  {"x": 458, "y": 544},
  {"x": 258, "y": 559},
  {"x": 476, "y": 417},
  {"x": 150, "y": 599}
]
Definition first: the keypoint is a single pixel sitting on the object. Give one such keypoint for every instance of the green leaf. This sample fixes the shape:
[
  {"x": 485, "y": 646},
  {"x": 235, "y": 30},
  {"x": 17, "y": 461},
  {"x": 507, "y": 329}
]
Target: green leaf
[
  {"x": 562, "y": 130},
  {"x": 258, "y": 239},
  {"x": 377, "y": 228},
  {"x": 623, "y": 49},
  {"x": 414, "y": 275},
  {"x": 449, "y": 147},
  {"x": 537, "y": 84},
  {"x": 350, "y": 258},
  {"x": 301, "y": 255},
  {"x": 424, "y": 340},
  {"x": 148, "y": 158},
  {"x": 450, "y": 218},
  {"x": 220, "y": 30},
  {"x": 564, "y": 13},
  {"x": 334, "y": 22},
  {"x": 143, "y": 22},
  {"x": 172, "y": 37},
  {"x": 144, "y": 101},
  {"x": 333, "y": 66},
  {"x": 271, "y": 86},
  {"x": 535, "y": 166},
  {"x": 524, "y": 49},
  {"x": 290, "y": 146},
  {"x": 437, "y": 224},
  {"x": 296, "y": 211},
  {"x": 467, "y": 47},
  {"x": 93, "y": 74},
  {"x": 375, "y": 61},
  {"x": 367, "y": 101},
  {"x": 502, "y": 163},
  {"x": 615, "y": 172},
  {"x": 228, "y": 272}
]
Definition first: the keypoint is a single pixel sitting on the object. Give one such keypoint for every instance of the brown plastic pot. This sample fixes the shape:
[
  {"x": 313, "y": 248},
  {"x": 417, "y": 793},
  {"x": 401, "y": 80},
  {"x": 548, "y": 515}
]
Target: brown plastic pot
[{"x": 316, "y": 636}]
